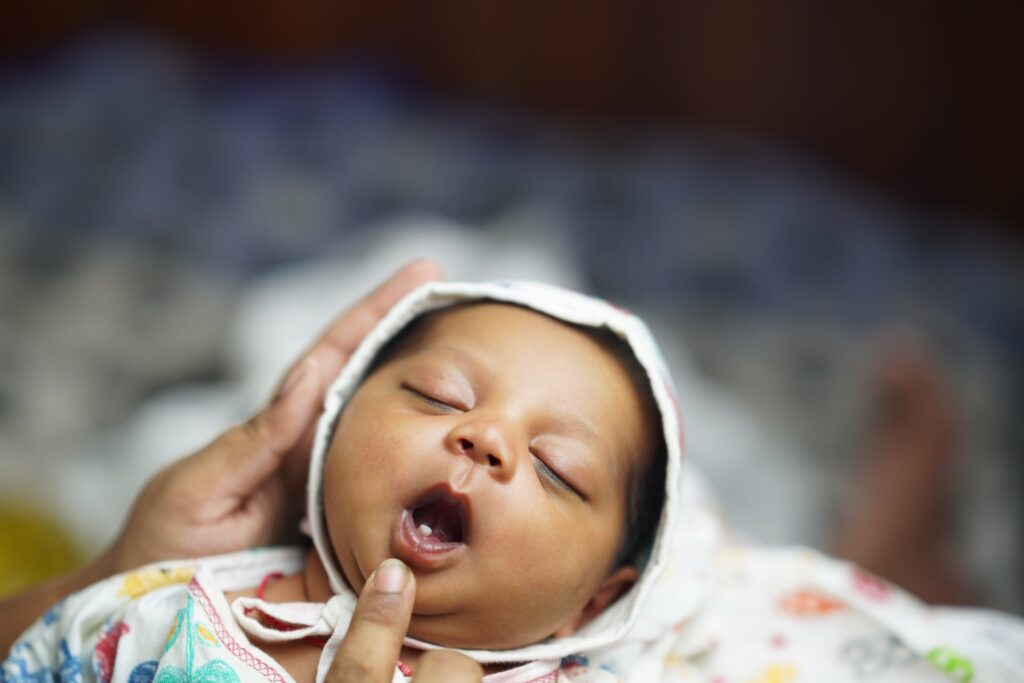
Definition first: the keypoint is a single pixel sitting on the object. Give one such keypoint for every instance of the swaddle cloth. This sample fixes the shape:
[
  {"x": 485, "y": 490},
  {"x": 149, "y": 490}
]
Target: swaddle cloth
[{"x": 705, "y": 607}]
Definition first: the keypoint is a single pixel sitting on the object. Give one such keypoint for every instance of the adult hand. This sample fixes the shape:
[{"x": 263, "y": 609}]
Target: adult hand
[
  {"x": 245, "y": 488},
  {"x": 374, "y": 640},
  {"x": 230, "y": 495}
]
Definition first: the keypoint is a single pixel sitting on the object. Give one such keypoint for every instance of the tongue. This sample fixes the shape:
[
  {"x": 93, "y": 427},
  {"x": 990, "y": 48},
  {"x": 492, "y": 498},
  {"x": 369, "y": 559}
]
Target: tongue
[{"x": 443, "y": 520}]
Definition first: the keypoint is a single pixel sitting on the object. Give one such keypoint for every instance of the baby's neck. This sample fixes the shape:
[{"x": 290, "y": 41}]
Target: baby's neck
[{"x": 313, "y": 581}]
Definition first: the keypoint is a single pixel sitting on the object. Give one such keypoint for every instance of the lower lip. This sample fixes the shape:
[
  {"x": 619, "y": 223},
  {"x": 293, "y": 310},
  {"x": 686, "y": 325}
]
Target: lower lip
[{"x": 424, "y": 554}]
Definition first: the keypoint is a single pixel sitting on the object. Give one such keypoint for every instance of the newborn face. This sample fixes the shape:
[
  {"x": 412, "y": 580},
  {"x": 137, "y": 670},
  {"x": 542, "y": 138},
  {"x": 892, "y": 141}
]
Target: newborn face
[{"x": 492, "y": 456}]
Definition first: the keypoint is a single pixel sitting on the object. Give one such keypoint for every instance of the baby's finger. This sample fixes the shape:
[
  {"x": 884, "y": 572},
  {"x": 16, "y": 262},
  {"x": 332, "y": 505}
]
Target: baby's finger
[
  {"x": 445, "y": 666},
  {"x": 371, "y": 647}
]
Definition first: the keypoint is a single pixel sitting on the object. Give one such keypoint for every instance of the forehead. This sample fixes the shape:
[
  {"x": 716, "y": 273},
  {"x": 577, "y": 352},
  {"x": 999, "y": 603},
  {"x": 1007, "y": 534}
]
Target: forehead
[{"x": 526, "y": 342}]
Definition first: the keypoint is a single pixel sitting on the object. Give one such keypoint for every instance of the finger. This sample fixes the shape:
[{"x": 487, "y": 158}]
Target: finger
[
  {"x": 239, "y": 461},
  {"x": 342, "y": 337},
  {"x": 371, "y": 647},
  {"x": 348, "y": 330},
  {"x": 268, "y": 515},
  {"x": 445, "y": 666}
]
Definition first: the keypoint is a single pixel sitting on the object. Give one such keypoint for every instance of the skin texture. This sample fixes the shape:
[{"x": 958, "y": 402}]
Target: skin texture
[{"x": 474, "y": 403}]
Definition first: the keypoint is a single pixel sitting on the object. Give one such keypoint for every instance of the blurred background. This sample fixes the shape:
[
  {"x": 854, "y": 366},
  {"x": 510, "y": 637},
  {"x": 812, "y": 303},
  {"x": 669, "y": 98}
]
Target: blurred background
[{"x": 819, "y": 207}]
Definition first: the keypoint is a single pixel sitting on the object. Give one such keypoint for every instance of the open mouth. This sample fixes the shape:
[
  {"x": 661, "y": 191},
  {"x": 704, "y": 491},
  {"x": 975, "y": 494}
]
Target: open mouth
[
  {"x": 440, "y": 518},
  {"x": 433, "y": 532}
]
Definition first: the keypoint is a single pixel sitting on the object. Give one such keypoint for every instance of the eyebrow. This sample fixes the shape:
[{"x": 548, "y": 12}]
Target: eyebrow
[
  {"x": 461, "y": 356},
  {"x": 573, "y": 425},
  {"x": 469, "y": 356}
]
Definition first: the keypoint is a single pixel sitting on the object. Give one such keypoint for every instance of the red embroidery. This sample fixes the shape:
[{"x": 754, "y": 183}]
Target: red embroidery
[
  {"x": 546, "y": 678},
  {"x": 271, "y": 622},
  {"x": 106, "y": 651},
  {"x": 869, "y": 585},
  {"x": 272, "y": 576},
  {"x": 232, "y": 646}
]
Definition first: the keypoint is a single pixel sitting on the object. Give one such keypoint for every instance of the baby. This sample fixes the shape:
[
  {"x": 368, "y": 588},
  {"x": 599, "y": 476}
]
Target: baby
[
  {"x": 514, "y": 447},
  {"x": 518, "y": 447},
  {"x": 505, "y": 441},
  {"x": 514, "y": 461}
]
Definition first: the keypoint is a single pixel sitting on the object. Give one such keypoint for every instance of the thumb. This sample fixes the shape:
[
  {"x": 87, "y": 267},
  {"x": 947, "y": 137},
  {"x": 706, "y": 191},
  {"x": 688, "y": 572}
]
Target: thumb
[
  {"x": 373, "y": 642},
  {"x": 244, "y": 457}
]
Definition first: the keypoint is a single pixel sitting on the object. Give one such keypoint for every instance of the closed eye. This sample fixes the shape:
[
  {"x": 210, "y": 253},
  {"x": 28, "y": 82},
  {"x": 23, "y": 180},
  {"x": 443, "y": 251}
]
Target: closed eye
[
  {"x": 553, "y": 477},
  {"x": 426, "y": 398}
]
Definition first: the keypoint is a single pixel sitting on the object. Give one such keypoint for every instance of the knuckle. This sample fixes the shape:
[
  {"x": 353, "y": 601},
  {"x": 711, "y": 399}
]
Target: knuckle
[{"x": 254, "y": 429}]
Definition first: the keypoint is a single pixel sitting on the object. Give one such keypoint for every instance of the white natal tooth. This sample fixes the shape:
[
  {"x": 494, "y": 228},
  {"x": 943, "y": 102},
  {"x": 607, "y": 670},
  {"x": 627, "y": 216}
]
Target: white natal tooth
[{"x": 424, "y": 530}]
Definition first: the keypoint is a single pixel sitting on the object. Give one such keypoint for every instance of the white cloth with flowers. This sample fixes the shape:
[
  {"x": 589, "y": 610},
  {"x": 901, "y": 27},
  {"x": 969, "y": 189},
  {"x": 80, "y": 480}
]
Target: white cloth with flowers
[{"x": 721, "y": 612}]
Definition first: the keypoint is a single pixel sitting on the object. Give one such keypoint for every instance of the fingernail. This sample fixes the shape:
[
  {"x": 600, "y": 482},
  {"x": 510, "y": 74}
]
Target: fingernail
[
  {"x": 294, "y": 377},
  {"x": 391, "y": 576}
]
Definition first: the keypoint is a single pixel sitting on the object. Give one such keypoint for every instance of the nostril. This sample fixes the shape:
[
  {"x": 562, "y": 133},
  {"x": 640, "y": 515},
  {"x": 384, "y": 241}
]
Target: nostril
[
  {"x": 465, "y": 444},
  {"x": 492, "y": 461}
]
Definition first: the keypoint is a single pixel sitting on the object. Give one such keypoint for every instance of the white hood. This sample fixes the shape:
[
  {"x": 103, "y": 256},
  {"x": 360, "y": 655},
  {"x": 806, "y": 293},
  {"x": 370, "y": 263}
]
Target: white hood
[{"x": 613, "y": 624}]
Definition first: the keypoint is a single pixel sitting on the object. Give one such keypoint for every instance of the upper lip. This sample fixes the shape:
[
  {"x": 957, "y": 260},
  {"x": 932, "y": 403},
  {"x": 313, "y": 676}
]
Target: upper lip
[{"x": 461, "y": 501}]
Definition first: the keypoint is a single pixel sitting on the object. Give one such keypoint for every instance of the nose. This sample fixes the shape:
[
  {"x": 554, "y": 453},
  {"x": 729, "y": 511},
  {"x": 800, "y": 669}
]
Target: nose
[{"x": 486, "y": 443}]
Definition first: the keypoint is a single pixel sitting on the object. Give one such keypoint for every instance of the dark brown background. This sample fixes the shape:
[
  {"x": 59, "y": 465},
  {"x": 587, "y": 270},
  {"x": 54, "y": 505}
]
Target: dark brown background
[{"x": 923, "y": 99}]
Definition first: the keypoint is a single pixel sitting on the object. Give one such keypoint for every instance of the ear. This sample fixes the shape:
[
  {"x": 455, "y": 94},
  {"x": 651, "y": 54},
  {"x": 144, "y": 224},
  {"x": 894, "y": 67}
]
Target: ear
[{"x": 617, "y": 583}]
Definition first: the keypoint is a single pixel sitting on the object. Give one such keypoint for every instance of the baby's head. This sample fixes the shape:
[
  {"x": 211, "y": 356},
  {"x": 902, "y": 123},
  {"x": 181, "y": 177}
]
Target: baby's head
[{"x": 515, "y": 462}]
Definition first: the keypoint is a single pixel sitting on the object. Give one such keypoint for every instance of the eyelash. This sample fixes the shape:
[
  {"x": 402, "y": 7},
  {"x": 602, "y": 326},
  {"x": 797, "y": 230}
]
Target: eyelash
[
  {"x": 552, "y": 476},
  {"x": 440, "y": 405},
  {"x": 542, "y": 467}
]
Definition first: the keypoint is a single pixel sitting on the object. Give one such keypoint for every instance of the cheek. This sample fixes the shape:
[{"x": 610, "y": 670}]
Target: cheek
[
  {"x": 539, "y": 577},
  {"x": 552, "y": 552},
  {"x": 381, "y": 460},
  {"x": 352, "y": 484},
  {"x": 362, "y": 449}
]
